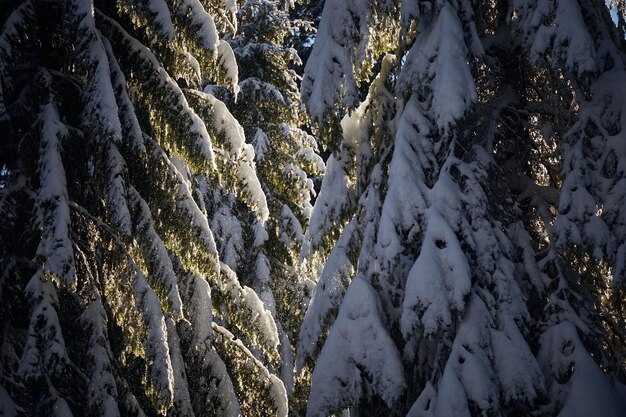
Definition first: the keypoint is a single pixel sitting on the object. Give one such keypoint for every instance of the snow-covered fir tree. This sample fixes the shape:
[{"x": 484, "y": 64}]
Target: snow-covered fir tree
[
  {"x": 467, "y": 238},
  {"x": 269, "y": 108},
  {"x": 123, "y": 186},
  {"x": 160, "y": 254}
]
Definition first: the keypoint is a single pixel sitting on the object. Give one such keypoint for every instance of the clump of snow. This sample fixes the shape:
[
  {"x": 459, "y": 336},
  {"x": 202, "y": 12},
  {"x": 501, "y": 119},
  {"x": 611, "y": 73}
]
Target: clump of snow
[
  {"x": 358, "y": 355},
  {"x": 327, "y": 296},
  {"x": 160, "y": 269},
  {"x": 438, "y": 281},
  {"x": 337, "y": 53},
  {"x": 162, "y": 18},
  {"x": 53, "y": 212}
]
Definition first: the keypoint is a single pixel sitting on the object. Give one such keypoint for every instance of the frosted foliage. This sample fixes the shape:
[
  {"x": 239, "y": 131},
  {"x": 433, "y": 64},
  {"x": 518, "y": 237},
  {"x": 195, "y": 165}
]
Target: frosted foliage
[
  {"x": 339, "y": 48},
  {"x": 405, "y": 201},
  {"x": 44, "y": 351},
  {"x": 100, "y": 112},
  {"x": 10, "y": 35},
  {"x": 162, "y": 18},
  {"x": 260, "y": 143},
  {"x": 228, "y": 232},
  {"x": 327, "y": 295},
  {"x": 157, "y": 349},
  {"x": 557, "y": 27},
  {"x": 333, "y": 199},
  {"x": 221, "y": 387},
  {"x": 181, "y": 397},
  {"x": 160, "y": 269},
  {"x": 265, "y": 335},
  {"x": 199, "y": 306},
  {"x": 102, "y": 389},
  {"x": 588, "y": 391},
  {"x": 131, "y": 132},
  {"x": 198, "y": 150},
  {"x": 358, "y": 355},
  {"x": 290, "y": 227},
  {"x": 439, "y": 280},
  {"x": 117, "y": 190},
  {"x": 202, "y": 22},
  {"x": 52, "y": 201},
  {"x": 230, "y": 135},
  {"x": 439, "y": 58},
  {"x": 268, "y": 381},
  {"x": 187, "y": 204}
]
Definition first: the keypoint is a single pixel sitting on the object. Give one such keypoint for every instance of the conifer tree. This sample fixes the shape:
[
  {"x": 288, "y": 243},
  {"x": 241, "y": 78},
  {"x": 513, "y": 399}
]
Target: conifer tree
[
  {"x": 117, "y": 296},
  {"x": 466, "y": 220}
]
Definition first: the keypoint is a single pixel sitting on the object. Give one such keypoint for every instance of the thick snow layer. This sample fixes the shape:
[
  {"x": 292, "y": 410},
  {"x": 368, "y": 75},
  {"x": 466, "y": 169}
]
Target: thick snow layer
[
  {"x": 226, "y": 60},
  {"x": 200, "y": 310},
  {"x": 358, "y": 355},
  {"x": 101, "y": 111},
  {"x": 333, "y": 199},
  {"x": 117, "y": 205},
  {"x": 52, "y": 200},
  {"x": 337, "y": 53},
  {"x": 156, "y": 347},
  {"x": 131, "y": 131},
  {"x": 407, "y": 195},
  {"x": 439, "y": 58},
  {"x": 44, "y": 349},
  {"x": 264, "y": 333},
  {"x": 558, "y": 29},
  {"x": 591, "y": 204},
  {"x": 327, "y": 295},
  {"x": 517, "y": 370},
  {"x": 182, "y": 398},
  {"x": 162, "y": 18},
  {"x": 228, "y": 231},
  {"x": 161, "y": 270},
  {"x": 588, "y": 391},
  {"x": 574, "y": 45},
  {"x": 439, "y": 280},
  {"x": 102, "y": 389},
  {"x": 204, "y": 27}
]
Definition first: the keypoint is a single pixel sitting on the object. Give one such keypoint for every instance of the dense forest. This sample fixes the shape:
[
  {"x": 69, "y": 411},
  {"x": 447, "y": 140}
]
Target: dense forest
[{"x": 403, "y": 208}]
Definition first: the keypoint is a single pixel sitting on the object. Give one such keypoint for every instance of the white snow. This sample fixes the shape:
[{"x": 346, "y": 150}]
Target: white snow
[
  {"x": 337, "y": 54},
  {"x": 162, "y": 18},
  {"x": 358, "y": 350},
  {"x": 439, "y": 280},
  {"x": 156, "y": 346},
  {"x": 439, "y": 58},
  {"x": 52, "y": 201},
  {"x": 327, "y": 296},
  {"x": 102, "y": 388},
  {"x": 589, "y": 391},
  {"x": 161, "y": 270},
  {"x": 117, "y": 205}
]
